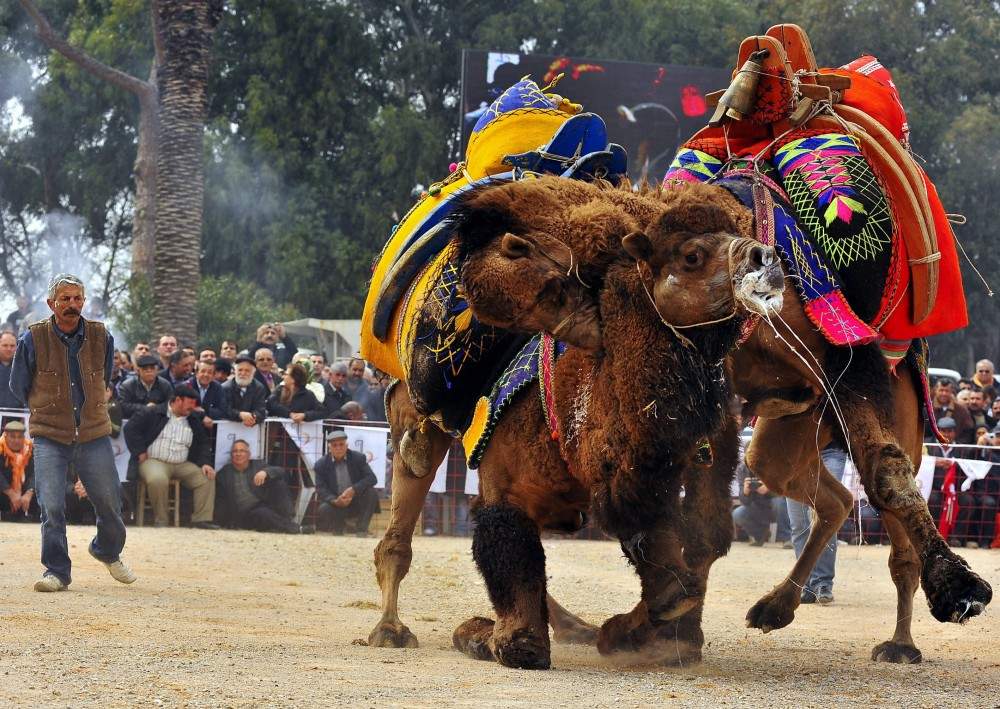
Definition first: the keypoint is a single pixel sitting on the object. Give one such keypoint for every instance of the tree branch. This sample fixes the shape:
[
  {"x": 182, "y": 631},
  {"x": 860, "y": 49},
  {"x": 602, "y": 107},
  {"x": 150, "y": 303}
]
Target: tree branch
[
  {"x": 81, "y": 58},
  {"x": 158, "y": 50}
]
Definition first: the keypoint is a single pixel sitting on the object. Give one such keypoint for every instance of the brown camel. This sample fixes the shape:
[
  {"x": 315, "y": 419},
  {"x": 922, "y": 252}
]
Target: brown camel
[
  {"x": 630, "y": 415},
  {"x": 806, "y": 394}
]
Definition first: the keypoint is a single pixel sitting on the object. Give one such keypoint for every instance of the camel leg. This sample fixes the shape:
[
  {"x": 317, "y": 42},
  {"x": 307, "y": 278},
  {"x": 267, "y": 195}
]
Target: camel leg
[
  {"x": 394, "y": 552},
  {"x": 904, "y": 567},
  {"x": 954, "y": 592},
  {"x": 671, "y": 591},
  {"x": 797, "y": 473},
  {"x": 507, "y": 549},
  {"x": 568, "y": 628}
]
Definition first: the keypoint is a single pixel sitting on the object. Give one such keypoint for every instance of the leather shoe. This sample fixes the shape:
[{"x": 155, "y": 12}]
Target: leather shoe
[{"x": 205, "y": 525}]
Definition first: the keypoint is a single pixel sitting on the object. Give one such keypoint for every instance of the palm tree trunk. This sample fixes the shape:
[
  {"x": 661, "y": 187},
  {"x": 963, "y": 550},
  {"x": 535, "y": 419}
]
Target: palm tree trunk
[{"x": 184, "y": 28}]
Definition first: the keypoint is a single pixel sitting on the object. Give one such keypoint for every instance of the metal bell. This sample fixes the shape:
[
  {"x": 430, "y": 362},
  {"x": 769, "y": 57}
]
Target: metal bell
[{"x": 739, "y": 98}]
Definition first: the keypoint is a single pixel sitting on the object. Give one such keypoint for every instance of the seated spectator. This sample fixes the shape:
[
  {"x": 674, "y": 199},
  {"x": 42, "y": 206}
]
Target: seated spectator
[
  {"x": 166, "y": 442},
  {"x": 207, "y": 356},
  {"x": 228, "y": 350},
  {"x": 291, "y": 399},
  {"x": 345, "y": 487},
  {"x": 273, "y": 337},
  {"x": 209, "y": 394},
  {"x": 266, "y": 374},
  {"x": 146, "y": 390},
  {"x": 8, "y": 345},
  {"x": 181, "y": 364},
  {"x": 757, "y": 507},
  {"x": 223, "y": 370},
  {"x": 338, "y": 394},
  {"x": 244, "y": 397},
  {"x": 17, "y": 474},
  {"x": 252, "y": 495},
  {"x": 166, "y": 346}
]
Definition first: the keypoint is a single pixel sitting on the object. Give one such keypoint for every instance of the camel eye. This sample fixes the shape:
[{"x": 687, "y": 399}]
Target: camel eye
[{"x": 693, "y": 258}]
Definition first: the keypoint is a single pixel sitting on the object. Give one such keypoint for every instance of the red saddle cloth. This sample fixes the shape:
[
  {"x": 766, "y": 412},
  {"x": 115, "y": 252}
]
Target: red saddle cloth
[{"x": 873, "y": 91}]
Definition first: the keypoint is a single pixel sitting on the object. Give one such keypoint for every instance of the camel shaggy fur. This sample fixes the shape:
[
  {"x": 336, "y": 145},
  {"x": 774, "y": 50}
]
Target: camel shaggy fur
[{"x": 632, "y": 411}]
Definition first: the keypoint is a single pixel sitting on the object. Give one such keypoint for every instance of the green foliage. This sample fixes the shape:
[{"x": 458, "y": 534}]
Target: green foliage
[
  {"x": 325, "y": 115},
  {"x": 132, "y": 314},
  {"x": 232, "y": 309}
]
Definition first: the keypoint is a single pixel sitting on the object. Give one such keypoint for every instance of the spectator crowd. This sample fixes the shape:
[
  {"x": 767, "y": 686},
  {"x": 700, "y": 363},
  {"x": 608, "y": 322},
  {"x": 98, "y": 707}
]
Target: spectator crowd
[
  {"x": 172, "y": 398},
  {"x": 173, "y": 395}
]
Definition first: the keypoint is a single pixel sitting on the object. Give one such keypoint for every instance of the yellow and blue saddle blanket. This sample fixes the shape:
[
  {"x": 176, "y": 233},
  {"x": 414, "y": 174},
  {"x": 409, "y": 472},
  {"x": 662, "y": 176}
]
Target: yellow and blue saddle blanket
[
  {"x": 534, "y": 362},
  {"x": 417, "y": 324}
]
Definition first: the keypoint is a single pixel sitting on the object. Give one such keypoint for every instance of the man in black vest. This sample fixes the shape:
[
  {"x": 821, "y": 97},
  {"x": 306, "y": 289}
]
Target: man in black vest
[
  {"x": 53, "y": 374},
  {"x": 345, "y": 486}
]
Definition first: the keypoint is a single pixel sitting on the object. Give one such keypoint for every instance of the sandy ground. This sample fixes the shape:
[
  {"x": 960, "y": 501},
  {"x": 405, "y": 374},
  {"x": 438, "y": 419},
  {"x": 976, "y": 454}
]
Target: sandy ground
[{"x": 246, "y": 619}]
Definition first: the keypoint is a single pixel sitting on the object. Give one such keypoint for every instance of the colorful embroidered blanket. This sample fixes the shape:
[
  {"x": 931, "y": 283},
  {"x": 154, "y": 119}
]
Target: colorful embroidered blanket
[{"x": 533, "y": 362}]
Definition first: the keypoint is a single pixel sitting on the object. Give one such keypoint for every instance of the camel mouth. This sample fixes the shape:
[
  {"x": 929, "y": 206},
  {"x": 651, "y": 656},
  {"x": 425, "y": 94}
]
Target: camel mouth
[{"x": 760, "y": 288}]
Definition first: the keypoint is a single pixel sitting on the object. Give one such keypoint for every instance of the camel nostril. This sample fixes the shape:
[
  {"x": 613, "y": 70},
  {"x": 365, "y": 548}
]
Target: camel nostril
[{"x": 757, "y": 257}]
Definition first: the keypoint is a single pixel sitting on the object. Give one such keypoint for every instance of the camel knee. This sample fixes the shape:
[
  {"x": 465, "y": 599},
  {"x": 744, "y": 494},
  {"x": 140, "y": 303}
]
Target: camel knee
[
  {"x": 892, "y": 486},
  {"x": 393, "y": 552},
  {"x": 508, "y": 553}
]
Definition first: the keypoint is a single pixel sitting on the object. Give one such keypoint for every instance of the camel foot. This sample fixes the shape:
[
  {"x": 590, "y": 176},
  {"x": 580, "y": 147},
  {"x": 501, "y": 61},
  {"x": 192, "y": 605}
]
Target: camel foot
[
  {"x": 898, "y": 653},
  {"x": 955, "y": 593},
  {"x": 644, "y": 644},
  {"x": 473, "y": 638},
  {"x": 524, "y": 650},
  {"x": 775, "y": 610},
  {"x": 387, "y": 634}
]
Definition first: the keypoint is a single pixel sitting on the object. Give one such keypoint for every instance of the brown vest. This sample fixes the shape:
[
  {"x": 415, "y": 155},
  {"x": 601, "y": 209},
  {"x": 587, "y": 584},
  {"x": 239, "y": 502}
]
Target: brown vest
[{"x": 50, "y": 400}]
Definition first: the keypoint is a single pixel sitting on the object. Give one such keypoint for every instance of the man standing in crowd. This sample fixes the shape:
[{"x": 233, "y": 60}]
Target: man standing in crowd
[
  {"x": 819, "y": 585},
  {"x": 375, "y": 399},
  {"x": 983, "y": 377},
  {"x": 338, "y": 394},
  {"x": 228, "y": 350},
  {"x": 977, "y": 409},
  {"x": 8, "y": 344},
  {"x": 141, "y": 348},
  {"x": 244, "y": 398},
  {"x": 180, "y": 366},
  {"x": 253, "y": 495},
  {"x": 273, "y": 337},
  {"x": 147, "y": 389},
  {"x": 69, "y": 423},
  {"x": 356, "y": 385},
  {"x": 166, "y": 346},
  {"x": 223, "y": 370},
  {"x": 345, "y": 487},
  {"x": 207, "y": 356},
  {"x": 17, "y": 472},
  {"x": 945, "y": 406},
  {"x": 166, "y": 442},
  {"x": 266, "y": 372},
  {"x": 16, "y": 320}
]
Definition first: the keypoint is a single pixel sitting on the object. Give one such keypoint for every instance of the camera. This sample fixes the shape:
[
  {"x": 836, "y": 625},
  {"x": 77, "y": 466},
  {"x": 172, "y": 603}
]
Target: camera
[{"x": 754, "y": 484}]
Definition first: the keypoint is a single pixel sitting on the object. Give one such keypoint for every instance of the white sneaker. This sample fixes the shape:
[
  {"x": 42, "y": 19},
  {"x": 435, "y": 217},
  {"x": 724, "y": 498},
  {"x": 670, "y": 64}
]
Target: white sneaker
[
  {"x": 50, "y": 583},
  {"x": 119, "y": 570}
]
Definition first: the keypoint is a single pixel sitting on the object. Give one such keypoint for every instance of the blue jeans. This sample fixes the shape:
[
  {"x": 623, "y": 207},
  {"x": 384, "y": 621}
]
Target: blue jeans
[
  {"x": 94, "y": 462},
  {"x": 798, "y": 514}
]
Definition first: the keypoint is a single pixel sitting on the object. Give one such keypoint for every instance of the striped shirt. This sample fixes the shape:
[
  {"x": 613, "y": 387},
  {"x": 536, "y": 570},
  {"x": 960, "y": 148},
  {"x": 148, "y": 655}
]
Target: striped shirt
[{"x": 174, "y": 441}]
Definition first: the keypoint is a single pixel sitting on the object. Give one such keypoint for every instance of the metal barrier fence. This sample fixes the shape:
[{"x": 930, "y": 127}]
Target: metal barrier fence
[{"x": 965, "y": 516}]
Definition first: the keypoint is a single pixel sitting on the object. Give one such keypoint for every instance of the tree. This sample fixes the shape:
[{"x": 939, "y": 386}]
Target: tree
[{"x": 169, "y": 191}]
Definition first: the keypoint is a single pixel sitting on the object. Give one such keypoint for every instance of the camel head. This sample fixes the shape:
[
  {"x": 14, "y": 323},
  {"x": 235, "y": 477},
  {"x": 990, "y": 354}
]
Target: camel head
[
  {"x": 696, "y": 265},
  {"x": 520, "y": 271}
]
